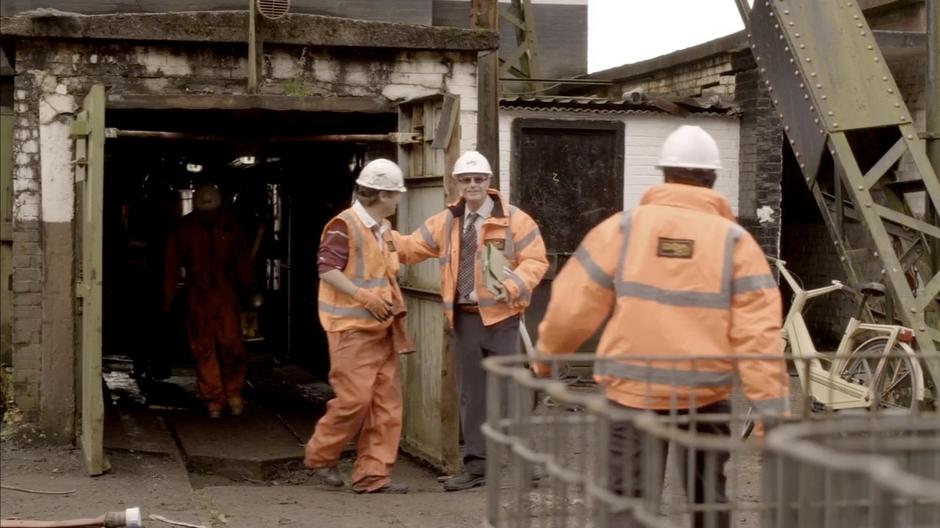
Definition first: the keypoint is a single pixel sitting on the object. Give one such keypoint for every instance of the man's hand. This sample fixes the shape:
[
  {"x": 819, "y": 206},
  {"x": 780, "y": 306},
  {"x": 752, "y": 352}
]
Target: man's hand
[{"x": 377, "y": 306}]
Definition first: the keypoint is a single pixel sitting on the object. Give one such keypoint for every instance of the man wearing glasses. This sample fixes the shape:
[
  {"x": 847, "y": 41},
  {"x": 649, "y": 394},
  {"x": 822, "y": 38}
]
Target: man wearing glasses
[{"x": 485, "y": 320}]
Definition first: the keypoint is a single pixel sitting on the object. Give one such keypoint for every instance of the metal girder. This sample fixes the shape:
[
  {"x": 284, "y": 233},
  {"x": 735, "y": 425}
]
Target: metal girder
[
  {"x": 848, "y": 125},
  {"x": 524, "y": 62}
]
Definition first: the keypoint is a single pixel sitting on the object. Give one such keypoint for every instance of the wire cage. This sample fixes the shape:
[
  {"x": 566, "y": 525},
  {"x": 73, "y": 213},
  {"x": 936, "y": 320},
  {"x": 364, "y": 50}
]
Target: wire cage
[{"x": 563, "y": 454}]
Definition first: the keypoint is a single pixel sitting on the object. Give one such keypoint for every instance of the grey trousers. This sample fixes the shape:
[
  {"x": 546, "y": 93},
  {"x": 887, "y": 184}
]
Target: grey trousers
[{"x": 472, "y": 343}]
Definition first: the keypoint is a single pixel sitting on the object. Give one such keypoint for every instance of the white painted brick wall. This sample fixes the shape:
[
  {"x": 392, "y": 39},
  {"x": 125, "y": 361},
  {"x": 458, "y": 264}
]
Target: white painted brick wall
[{"x": 643, "y": 136}]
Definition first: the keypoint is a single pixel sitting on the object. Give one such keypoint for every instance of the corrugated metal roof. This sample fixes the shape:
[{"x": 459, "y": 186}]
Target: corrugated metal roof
[{"x": 634, "y": 104}]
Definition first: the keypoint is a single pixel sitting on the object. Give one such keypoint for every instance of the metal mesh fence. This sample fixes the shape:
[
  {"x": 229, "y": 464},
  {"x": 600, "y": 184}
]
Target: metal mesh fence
[{"x": 563, "y": 451}]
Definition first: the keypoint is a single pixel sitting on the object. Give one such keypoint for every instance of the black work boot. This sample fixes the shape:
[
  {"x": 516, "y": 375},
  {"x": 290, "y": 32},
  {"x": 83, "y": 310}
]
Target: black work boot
[
  {"x": 329, "y": 476},
  {"x": 391, "y": 487},
  {"x": 464, "y": 481}
]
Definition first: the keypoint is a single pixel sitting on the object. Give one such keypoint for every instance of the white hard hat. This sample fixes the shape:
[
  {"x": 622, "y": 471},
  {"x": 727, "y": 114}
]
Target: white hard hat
[
  {"x": 690, "y": 147},
  {"x": 472, "y": 162},
  {"x": 383, "y": 175},
  {"x": 207, "y": 197}
]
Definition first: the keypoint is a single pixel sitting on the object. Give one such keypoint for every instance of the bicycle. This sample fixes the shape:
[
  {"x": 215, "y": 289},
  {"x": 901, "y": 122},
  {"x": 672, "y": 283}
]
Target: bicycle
[{"x": 882, "y": 372}]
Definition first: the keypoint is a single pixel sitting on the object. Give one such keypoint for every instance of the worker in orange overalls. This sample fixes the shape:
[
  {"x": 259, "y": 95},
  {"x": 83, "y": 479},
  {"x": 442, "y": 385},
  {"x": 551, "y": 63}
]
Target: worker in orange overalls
[
  {"x": 677, "y": 276},
  {"x": 363, "y": 312},
  {"x": 485, "y": 323},
  {"x": 209, "y": 245}
]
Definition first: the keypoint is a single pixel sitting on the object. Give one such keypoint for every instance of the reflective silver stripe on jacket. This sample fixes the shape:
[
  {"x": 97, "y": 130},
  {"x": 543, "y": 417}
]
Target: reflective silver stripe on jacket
[
  {"x": 593, "y": 270},
  {"x": 510, "y": 249},
  {"x": 772, "y": 406},
  {"x": 345, "y": 311},
  {"x": 528, "y": 239},
  {"x": 720, "y": 299},
  {"x": 428, "y": 238},
  {"x": 350, "y": 220},
  {"x": 370, "y": 283},
  {"x": 445, "y": 257},
  {"x": 523, "y": 289},
  {"x": 695, "y": 378},
  {"x": 753, "y": 282}
]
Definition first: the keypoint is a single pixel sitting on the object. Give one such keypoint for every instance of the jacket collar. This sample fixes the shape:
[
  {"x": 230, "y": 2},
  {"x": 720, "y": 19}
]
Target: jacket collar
[
  {"x": 459, "y": 207},
  {"x": 689, "y": 197}
]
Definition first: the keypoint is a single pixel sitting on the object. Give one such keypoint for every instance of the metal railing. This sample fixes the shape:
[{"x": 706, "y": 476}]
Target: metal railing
[{"x": 562, "y": 454}]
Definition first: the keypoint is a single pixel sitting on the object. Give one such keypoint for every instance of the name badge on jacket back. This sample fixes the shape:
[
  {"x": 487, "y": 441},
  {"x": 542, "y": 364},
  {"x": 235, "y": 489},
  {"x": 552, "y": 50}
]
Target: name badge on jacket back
[{"x": 675, "y": 248}]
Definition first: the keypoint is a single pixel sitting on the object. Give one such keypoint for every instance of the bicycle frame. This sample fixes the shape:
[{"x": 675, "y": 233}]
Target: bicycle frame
[{"x": 824, "y": 384}]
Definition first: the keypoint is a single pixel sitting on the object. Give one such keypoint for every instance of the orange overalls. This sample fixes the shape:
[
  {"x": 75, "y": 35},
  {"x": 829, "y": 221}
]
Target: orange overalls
[
  {"x": 210, "y": 246},
  {"x": 364, "y": 372}
]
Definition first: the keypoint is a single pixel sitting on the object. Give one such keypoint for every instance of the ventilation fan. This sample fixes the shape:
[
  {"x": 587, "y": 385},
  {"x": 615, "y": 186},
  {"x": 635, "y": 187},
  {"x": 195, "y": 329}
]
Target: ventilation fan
[{"x": 273, "y": 9}]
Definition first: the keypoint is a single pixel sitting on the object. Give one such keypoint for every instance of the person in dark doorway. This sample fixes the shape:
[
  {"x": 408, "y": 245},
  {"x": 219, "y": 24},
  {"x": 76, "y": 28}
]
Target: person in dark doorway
[
  {"x": 209, "y": 246},
  {"x": 484, "y": 323},
  {"x": 675, "y": 277},
  {"x": 363, "y": 312}
]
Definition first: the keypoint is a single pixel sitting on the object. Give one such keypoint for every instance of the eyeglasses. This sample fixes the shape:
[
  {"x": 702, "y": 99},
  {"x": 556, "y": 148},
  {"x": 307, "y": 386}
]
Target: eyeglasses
[{"x": 466, "y": 180}]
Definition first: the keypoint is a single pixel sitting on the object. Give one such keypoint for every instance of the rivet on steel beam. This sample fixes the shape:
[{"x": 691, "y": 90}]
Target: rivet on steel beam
[
  {"x": 793, "y": 142},
  {"x": 897, "y": 105},
  {"x": 849, "y": 4},
  {"x": 884, "y": 78},
  {"x": 858, "y": 26},
  {"x": 786, "y": 128},
  {"x": 910, "y": 136},
  {"x": 923, "y": 329},
  {"x": 781, "y": 116},
  {"x": 748, "y": 35},
  {"x": 862, "y": 33},
  {"x": 823, "y": 97},
  {"x": 781, "y": 37},
  {"x": 802, "y": 86},
  {"x": 869, "y": 47},
  {"x": 883, "y": 271},
  {"x": 830, "y": 113},
  {"x": 776, "y": 26},
  {"x": 796, "y": 72},
  {"x": 842, "y": 259},
  {"x": 786, "y": 48},
  {"x": 855, "y": 17},
  {"x": 868, "y": 204},
  {"x": 753, "y": 46},
  {"x": 802, "y": 46},
  {"x": 821, "y": 131},
  {"x": 797, "y": 35},
  {"x": 812, "y": 74},
  {"x": 862, "y": 188},
  {"x": 802, "y": 165},
  {"x": 819, "y": 86},
  {"x": 791, "y": 60},
  {"x": 805, "y": 96},
  {"x": 890, "y": 90},
  {"x": 902, "y": 118},
  {"x": 816, "y": 121},
  {"x": 776, "y": 101},
  {"x": 770, "y": 89},
  {"x": 790, "y": 24},
  {"x": 786, "y": 12},
  {"x": 762, "y": 70},
  {"x": 835, "y": 125},
  {"x": 812, "y": 108},
  {"x": 875, "y": 59},
  {"x": 809, "y": 59},
  {"x": 875, "y": 253},
  {"x": 798, "y": 154}
]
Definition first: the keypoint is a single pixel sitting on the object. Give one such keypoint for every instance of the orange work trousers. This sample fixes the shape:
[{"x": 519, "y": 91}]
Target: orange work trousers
[
  {"x": 365, "y": 378},
  {"x": 214, "y": 331}
]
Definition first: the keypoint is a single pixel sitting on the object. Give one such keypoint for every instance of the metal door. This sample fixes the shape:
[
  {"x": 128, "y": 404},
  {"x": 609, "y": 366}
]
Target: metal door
[
  {"x": 431, "y": 428},
  {"x": 88, "y": 132}
]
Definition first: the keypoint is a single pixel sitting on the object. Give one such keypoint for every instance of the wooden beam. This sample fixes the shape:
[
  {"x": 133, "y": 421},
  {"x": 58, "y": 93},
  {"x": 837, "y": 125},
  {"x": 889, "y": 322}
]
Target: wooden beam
[
  {"x": 367, "y": 105},
  {"x": 485, "y": 16}
]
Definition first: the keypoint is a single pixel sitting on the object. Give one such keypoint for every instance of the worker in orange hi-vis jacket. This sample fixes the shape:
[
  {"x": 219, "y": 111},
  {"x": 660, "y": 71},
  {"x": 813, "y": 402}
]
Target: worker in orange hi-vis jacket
[
  {"x": 363, "y": 312},
  {"x": 210, "y": 246},
  {"x": 677, "y": 276},
  {"x": 485, "y": 322}
]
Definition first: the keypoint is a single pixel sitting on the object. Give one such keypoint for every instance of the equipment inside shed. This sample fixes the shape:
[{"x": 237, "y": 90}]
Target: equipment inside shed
[{"x": 283, "y": 174}]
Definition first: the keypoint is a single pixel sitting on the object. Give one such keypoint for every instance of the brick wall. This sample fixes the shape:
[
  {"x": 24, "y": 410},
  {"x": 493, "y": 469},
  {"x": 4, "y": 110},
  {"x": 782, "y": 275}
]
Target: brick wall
[{"x": 710, "y": 77}]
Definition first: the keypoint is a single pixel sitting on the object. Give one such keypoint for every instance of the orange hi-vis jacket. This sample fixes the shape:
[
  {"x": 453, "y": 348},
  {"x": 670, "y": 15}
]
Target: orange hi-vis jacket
[
  {"x": 678, "y": 278},
  {"x": 515, "y": 233},
  {"x": 367, "y": 266}
]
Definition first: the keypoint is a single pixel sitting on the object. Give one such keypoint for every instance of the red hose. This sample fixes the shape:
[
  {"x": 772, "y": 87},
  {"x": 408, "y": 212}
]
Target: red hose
[{"x": 71, "y": 523}]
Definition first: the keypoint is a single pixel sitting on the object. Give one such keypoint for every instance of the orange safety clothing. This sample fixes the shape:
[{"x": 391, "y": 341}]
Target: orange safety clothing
[
  {"x": 364, "y": 375},
  {"x": 509, "y": 229},
  {"x": 368, "y": 266},
  {"x": 211, "y": 248},
  {"x": 677, "y": 277}
]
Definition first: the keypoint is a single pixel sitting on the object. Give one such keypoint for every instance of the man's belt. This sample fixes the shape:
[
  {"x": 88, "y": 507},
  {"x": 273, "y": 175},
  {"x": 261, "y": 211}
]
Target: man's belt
[{"x": 469, "y": 308}]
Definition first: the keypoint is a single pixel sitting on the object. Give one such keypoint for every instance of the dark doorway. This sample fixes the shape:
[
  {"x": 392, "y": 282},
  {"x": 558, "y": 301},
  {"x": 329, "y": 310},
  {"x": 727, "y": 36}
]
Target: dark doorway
[
  {"x": 568, "y": 175},
  {"x": 282, "y": 191}
]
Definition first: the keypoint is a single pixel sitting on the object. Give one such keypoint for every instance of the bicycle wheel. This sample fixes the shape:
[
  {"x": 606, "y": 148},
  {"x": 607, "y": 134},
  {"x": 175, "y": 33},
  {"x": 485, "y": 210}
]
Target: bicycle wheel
[{"x": 895, "y": 388}]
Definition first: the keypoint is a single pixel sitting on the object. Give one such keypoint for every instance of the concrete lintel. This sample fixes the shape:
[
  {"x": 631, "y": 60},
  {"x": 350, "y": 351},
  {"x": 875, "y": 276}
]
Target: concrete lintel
[
  {"x": 368, "y": 105},
  {"x": 232, "y": 26}
]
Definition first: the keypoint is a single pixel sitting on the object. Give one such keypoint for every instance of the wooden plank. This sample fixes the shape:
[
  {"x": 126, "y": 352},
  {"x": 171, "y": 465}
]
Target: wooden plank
[
  {"x": 369, "y": 105},
  {"x": 91, "y": 192}
]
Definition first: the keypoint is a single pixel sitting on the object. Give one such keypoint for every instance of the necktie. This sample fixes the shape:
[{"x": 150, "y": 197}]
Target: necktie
[{"x": 468, "y": 249}]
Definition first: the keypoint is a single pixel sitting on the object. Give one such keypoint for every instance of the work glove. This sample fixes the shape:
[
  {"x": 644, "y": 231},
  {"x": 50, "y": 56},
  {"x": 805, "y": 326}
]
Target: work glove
[{"x": 377, "y": 306}]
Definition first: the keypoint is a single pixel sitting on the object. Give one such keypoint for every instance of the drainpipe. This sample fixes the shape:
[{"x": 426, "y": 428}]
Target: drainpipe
[{"x": 932, "y": 118}]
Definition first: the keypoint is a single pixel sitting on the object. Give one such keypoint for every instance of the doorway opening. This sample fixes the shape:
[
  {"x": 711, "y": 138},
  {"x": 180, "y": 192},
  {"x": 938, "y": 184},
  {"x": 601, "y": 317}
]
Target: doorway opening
[{"x": 283, "y": 174}]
